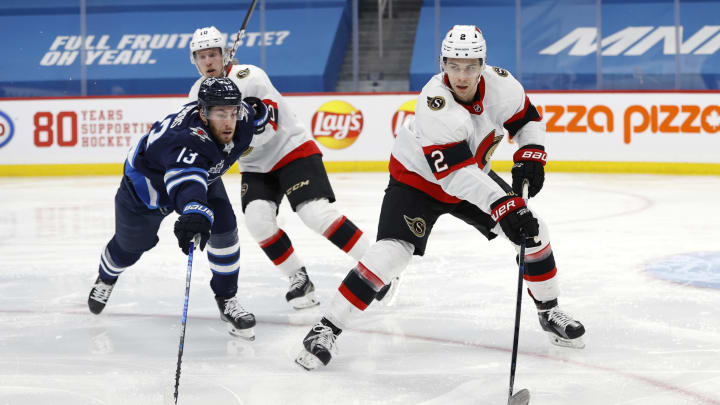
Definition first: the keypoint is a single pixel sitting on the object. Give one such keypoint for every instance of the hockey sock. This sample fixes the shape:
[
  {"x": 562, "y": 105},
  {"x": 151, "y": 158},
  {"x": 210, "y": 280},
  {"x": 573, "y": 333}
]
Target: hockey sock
[
  {"x": 540, "y": 272},
  {"x": 278, "y": 248},
  {"x": 224, "y": 285},
  {"x": 345, "y": 235},
  {"x": 114, "y": 260},
  {"x": 360, "y": 286}
]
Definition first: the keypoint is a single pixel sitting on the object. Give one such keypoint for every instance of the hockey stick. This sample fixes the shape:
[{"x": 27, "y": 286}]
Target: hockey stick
[
  {"x": 184, "y": 315},
  {"x": 522, "y": 397},
  {"x": 239, "y": 36}
]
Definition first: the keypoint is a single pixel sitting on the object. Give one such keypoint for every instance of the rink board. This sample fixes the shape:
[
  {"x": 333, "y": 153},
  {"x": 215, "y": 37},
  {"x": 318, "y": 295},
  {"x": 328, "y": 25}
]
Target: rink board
[{"x": 640, "y": 132}]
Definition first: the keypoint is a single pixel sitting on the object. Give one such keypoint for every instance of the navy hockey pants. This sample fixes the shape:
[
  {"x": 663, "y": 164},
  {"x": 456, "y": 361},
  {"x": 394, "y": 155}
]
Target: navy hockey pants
[{"x": 136, "y": 228}]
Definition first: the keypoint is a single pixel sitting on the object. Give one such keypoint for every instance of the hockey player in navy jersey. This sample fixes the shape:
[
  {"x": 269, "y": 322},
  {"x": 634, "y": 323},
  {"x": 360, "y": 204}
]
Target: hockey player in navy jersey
[
  {"x": 282, "y": 161},
  {"x": 177, "y": 166},
  {"x": 440, "y": 164}
]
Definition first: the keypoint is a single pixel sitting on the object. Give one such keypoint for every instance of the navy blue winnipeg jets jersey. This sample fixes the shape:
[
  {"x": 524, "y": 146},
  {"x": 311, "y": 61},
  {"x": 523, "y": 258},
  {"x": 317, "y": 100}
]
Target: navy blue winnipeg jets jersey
[{"x": 179, "y": 159}]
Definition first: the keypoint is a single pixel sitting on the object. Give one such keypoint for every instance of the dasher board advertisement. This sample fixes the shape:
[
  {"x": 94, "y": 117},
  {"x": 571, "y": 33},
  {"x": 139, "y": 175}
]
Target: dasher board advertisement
[{"x": 597, "y": 131}]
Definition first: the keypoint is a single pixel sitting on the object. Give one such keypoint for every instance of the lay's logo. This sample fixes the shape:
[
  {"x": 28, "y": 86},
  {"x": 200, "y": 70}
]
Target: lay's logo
[
  {"x": 403, "y": 113},
  {"x": 337, "y": 124}
]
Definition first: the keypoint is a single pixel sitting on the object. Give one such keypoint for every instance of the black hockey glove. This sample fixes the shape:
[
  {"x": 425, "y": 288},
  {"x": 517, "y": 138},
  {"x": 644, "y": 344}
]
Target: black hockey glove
[
  {"x": 515, "y": 219},
  {"x": 262, "y": 113},
  {"x": 196, "y": 219},
  {"x": 529, "y": 161}
]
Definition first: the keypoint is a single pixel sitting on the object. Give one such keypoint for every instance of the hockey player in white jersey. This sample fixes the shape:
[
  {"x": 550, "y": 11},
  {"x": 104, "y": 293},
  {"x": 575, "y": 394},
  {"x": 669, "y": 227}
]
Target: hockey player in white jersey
[
  {"x": 283, "y": 160},
  {"x": 440, "y": 164}
]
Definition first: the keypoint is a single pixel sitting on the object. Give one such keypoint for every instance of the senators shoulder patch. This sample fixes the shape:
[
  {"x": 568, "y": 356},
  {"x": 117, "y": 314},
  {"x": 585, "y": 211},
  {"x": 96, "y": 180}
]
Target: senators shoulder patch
[
  {"x": 500, "y": 71},
  {"x": 247, "y": 151},
  {"x": 436, "y": 103},
  {"x": 243, "y": 73}
]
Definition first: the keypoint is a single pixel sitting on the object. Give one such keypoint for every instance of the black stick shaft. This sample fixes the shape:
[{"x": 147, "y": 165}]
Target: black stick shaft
[
  {"x": 239, "y": 36},
  {"x": 184, "y": 319},
  {"x": 518, "y": 305}
]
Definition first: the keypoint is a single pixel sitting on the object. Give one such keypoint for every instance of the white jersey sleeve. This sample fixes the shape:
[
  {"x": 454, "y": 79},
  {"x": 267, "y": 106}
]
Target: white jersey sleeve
[{"x": 507, "y": 104}]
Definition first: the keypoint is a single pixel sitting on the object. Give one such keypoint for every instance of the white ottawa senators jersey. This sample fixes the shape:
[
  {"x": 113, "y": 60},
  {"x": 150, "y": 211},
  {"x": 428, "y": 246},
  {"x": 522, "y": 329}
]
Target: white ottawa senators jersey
[
  {"x": 284, "y": 138},
  {"x": 446, "y": 150}
]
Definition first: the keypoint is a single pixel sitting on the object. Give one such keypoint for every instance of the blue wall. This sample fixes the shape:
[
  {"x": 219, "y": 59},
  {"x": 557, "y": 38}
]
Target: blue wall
[
  {"x": 544, "y": 23},
  {"x": 305, "y": 40}
]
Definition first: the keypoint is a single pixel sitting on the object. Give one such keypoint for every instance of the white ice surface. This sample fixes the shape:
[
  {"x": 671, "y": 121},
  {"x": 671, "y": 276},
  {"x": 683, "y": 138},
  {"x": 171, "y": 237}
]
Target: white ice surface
[{"x": 446, "y": 341}]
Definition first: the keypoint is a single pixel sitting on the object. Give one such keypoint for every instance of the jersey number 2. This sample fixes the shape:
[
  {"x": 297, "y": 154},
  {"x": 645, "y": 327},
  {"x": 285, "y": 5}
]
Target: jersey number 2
[{"x": 439, "y": 158}]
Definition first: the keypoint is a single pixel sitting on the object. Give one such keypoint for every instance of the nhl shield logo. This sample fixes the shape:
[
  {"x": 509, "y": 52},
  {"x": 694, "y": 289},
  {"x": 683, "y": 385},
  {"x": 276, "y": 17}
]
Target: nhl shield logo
[
  {"x": 243, "y": 189},
  {"x": 417, "y": 225},
  {"x": 436, "y": 103}
]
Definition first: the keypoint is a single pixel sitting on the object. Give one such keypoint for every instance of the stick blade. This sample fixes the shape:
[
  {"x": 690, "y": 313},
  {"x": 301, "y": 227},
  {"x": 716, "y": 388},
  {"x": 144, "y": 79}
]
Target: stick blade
[{"x": 521, "y": 397}]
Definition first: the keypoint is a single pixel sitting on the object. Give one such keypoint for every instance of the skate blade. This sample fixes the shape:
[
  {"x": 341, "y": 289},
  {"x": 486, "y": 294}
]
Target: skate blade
[
  {"x": 307, "y": 301},
  {"x": 307, "y": 360},
  {"x": 571, "y": 343},
  {"x": 521, "y": 397},
  {"x": 247, "y": 334}
]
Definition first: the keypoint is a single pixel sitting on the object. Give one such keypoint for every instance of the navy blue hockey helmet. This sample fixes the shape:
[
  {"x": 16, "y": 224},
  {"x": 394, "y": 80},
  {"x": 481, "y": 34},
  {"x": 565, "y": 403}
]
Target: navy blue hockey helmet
[{"x": 215, "y": 91}]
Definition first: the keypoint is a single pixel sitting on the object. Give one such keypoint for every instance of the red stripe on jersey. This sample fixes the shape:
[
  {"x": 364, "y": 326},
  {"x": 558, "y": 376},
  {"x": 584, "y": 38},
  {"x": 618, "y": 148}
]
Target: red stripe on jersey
[
  {"x": 352, "y": 298},
  {"x": 273, "y": 114},
  {"x": 334, "y": 226},
  {"x": 308, "y": 148},
  {"x": 449, "y": 170},
  {"x": 352, "y": 241},
  {"x": 520, "y": 113},
  {"x": 414, "y": 180},
  {"x": 369, "y": 275},
  {"x": 269, "y": 241},
  {"x": 284, "y": 257},
  {"x": 542, "y": 277}
]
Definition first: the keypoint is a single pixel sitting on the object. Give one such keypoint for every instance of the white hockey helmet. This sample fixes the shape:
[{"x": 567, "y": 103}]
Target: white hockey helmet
[
  {"x": 206, "y": 38},
  {"x": 464, "y": 41}
]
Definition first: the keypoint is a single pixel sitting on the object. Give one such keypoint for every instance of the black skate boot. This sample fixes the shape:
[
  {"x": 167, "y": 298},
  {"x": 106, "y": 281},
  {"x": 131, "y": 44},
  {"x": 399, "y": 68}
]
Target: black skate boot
[
  {"x": 100, "y": 294},
  {"x": 240, "y": 321},
  {"x": 302, "y": 291},
  {"x": 319, "y": 345},
  {"x": 562, "y": 329}
]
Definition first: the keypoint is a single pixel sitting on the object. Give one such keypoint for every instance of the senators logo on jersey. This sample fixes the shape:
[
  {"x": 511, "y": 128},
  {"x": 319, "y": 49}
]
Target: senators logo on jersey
[
  {"x": 500, "y": 71},
  {"x": 247, "y": 151},
  {"x": 243, "y": 73},
  {"x": 417, "y": 226},
  {"x": 436, "y": 103}
]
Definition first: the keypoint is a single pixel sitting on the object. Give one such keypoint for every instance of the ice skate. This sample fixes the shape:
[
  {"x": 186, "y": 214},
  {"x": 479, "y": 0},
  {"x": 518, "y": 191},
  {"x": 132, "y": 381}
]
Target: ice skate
[
  {"x": 302, "y": 291},
  {"x": 99, "y": 295},
  {"x": 388, "y": 293},
  {"x": 560, "y": 326},
  {"x": 240, "y": 321},
  {"x": 319, "y": 345}
]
